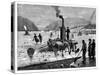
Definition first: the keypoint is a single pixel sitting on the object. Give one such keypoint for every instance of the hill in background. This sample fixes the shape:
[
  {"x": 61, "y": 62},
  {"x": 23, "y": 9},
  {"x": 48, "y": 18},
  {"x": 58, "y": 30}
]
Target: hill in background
[
  {"x": 21, "y": 21},
  {"x": 72, "y": 23}
]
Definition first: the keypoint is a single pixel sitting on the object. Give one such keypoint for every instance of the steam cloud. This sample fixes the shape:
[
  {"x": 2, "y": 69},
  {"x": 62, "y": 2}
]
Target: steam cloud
[{"x": 57, "y": 10}]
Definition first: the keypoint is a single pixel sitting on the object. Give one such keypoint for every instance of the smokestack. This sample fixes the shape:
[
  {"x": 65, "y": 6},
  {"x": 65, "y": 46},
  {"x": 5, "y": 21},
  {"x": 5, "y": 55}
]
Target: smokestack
[
  {"x": 62, "y": 28},
  {"x": 58, "y": 12}
]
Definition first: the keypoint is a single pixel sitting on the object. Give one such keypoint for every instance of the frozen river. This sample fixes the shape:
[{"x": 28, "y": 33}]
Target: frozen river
[{"x": 25, "y": 42}]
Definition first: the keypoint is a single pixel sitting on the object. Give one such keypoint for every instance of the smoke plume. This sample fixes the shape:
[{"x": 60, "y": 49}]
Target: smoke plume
[{"x": 57, "y": 10}]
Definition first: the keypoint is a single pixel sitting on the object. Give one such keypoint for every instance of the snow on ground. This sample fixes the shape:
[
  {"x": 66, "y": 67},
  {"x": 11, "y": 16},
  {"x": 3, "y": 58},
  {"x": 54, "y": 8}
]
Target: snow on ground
[{"x": 25, "y": 42}]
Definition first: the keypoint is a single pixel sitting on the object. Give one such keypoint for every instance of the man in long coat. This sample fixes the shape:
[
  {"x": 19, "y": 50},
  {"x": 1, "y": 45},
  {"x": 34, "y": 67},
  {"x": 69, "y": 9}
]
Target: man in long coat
[
  {"x": 93, "y": 48},
  {"x": 84, "y": 47},
  {"x": 89, "y": 48}
]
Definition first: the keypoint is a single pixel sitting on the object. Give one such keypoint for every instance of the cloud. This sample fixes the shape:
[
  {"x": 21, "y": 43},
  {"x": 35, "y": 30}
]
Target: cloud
[{"x": 43, "y": 15}]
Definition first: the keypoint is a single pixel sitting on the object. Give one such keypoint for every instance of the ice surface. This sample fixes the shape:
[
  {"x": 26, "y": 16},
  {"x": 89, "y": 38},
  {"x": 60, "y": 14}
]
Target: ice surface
[{"x": 25, "y": 42}]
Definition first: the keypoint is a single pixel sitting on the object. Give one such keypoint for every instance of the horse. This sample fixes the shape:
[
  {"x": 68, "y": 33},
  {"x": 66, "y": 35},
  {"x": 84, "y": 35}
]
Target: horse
[{"x": 56, "y": 46}]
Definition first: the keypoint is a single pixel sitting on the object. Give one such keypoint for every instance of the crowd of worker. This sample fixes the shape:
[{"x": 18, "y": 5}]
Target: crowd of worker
[
  {"x": 90, "y": 49},
  {"x": 84, "y": 48},
  {"x": 37, "y": 38}
]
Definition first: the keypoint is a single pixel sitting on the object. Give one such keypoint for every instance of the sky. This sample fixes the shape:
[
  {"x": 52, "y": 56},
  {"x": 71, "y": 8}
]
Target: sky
[{"x": 43, "y": 15}]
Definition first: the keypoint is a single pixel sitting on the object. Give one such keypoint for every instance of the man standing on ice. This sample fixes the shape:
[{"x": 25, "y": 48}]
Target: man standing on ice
[
  {"x": 93, "y": 49},
  {"x": 40, "y": 37},
  {"x": 89, "y": 48},
  {"x": 84, "y": 47},
  {"x": 36, "y": 38},
  {"x": 68, "y": 31}
]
